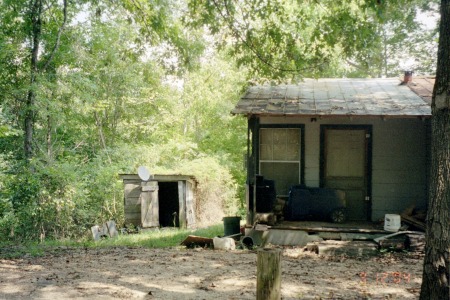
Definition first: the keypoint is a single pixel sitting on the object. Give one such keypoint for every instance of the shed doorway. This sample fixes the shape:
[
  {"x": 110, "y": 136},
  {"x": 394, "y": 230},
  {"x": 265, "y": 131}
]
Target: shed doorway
[
  {"x": 345, "y": 165},
  {"x": 169, "y": 204}
]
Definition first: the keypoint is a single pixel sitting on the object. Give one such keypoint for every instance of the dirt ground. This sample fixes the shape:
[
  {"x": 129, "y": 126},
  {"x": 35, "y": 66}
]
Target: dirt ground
[{"x": 179, "y": 273}]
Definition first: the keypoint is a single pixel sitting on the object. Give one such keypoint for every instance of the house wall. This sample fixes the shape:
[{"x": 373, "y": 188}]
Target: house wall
[{"x": 399, "y": 159}]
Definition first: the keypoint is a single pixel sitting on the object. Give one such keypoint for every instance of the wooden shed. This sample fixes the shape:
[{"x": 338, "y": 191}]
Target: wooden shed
[
  {"x": 162, "y": 201},
  {"x": 367, "y": 137}
]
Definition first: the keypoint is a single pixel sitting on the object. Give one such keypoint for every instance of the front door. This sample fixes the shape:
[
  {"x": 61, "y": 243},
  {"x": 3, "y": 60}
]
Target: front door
[{"x": 345, "y": 166}]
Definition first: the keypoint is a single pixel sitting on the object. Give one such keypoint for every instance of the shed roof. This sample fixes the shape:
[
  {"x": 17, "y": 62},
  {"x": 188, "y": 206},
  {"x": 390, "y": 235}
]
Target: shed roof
[{"x": 334, "y": 97}]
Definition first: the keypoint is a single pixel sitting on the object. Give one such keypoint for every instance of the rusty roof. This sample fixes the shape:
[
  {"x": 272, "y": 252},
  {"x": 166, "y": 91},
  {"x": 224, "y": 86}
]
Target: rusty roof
[
  {"x": 423, "y": 86},
  {"x": 335, "y": 97}
]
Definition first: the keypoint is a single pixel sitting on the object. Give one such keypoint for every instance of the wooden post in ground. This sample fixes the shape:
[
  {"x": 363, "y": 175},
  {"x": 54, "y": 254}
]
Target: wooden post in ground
[{"x": 268, "y": 282}]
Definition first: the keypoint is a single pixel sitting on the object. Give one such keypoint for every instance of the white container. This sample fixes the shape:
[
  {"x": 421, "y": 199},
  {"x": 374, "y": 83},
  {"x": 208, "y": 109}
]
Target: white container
[
  {"x": 224, "y": 243},
  {"x": 392, "y": 222}
]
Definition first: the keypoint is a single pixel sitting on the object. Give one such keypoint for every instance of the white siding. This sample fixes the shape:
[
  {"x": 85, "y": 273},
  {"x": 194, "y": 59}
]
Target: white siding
[{"x": 399, "y": 159}]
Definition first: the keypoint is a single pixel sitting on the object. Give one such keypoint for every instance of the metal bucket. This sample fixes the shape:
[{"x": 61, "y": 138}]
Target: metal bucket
[{"x": 231, "y": 225}]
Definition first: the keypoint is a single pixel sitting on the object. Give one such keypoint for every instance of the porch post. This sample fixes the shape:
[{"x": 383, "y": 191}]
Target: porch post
[{"x": 252, "y": 160}]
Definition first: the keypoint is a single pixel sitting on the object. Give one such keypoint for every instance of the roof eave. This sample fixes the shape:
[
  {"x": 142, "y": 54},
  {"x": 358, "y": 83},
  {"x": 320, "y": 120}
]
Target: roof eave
[{"x": 333, "y": 116}]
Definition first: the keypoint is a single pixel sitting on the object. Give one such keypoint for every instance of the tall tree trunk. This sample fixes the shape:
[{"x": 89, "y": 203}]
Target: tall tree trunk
[
  {"x": 35, "y": 37},
  {"x": 36, "y": 23},
  {"x": 436, "y": 269},
  {"x": 49, "y": 136}
]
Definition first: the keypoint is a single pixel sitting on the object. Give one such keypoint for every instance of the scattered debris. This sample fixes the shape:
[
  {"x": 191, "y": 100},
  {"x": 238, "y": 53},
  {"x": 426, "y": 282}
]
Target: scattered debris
[
  {"x": 347, "y": 248},
  {"x": 266, "y": 218},
  {"x": 413, "y": 221},
  {"x": 414, "y": 217},
  {"x": 403, "y": 240},
  {"x": 108, "y": 229},
  {"x": 397, "y": 243},
  {"x": 261, "y": 227},
  {"x": 130, "y": 229},
  {"x": 247, "y": 242},
  {"x": 278, "y": 209},
  {"x": 193, "y": 241},
  {"x": 377, "y": 240}
]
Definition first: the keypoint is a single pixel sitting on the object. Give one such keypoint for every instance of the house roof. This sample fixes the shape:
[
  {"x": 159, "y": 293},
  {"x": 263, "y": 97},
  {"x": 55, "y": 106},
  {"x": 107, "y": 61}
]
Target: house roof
[
  {"x": 335, "y": 97},
  {"x": 423, "y": 86}
]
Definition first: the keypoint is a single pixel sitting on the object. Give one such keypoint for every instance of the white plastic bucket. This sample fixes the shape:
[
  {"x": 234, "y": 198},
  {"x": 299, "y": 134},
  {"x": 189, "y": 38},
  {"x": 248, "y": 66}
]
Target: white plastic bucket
[
  {"x": 392, "y": 222},
  {"x": 224, "y": 243}
]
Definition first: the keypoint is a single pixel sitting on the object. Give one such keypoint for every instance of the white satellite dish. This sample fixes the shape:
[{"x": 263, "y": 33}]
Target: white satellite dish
[{"x": 143, "y": 173}]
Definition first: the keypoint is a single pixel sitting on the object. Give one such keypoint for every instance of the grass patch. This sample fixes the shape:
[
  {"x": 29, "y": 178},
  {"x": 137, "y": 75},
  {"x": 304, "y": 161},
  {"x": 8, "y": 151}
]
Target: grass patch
[{"x": 157, "y": 238}]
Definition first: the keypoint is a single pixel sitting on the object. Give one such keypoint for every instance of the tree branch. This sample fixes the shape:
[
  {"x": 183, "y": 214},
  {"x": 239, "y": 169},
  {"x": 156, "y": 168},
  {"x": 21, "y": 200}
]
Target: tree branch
[
  {"x": 58, "y": 37},
  {"x": 250, "y": 45}
]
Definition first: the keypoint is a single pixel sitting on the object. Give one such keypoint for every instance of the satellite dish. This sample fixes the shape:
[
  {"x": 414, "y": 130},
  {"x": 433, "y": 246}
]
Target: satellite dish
[{"x": 143, "y": 173}]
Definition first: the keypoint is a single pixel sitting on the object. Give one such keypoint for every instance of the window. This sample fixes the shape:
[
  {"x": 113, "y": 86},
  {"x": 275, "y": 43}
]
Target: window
[{"x": 280, "y": 157}]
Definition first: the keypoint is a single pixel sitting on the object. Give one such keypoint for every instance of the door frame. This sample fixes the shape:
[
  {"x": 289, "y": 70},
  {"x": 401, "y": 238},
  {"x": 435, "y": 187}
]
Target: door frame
[{"x": 368, "y": 167}]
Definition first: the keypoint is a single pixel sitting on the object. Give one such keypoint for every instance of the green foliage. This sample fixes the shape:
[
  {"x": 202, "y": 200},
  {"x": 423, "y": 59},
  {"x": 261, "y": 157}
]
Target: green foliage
[
  {"x": 130, "y": 84},
  {"x": 162, "y": 238},
  {"x": 97, "y": 122},
  {"x": 290, "y": 40},
  {"x": 41, "y": 204}
]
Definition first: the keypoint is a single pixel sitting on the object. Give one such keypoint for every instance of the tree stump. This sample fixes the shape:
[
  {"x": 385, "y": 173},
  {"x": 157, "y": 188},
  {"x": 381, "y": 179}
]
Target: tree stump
[{"x": 268, "y": 284}]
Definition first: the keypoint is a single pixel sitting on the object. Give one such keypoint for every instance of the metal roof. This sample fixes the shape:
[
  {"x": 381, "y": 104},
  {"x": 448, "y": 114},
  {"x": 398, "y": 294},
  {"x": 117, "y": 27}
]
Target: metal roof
[
  {"x": 334, "y": 97},
  {"x": 423, "y": 86}
]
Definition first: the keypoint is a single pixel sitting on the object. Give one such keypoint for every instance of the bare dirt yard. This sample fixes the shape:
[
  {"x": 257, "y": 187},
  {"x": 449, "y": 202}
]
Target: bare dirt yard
[{"x": 179, "y": 273}]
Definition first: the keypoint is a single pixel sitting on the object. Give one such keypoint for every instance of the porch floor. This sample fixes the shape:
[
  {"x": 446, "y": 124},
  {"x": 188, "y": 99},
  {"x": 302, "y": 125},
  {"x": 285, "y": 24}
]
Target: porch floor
[
  {"x": 300, "y": 233},
  {"x": 317, "y": 226}
]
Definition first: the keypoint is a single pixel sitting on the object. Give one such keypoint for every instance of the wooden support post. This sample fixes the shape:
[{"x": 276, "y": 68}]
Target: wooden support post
[{"x": 268, "y": 284}]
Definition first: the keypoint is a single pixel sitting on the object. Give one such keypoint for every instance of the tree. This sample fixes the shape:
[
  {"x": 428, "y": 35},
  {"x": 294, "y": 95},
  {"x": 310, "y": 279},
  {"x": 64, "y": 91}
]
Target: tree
[
  {"x": 100, "y": 104},
  {"x": 36, "y": 18},
  {"x": 436, "y": 270},
  {"x": 288, "y": 39}
]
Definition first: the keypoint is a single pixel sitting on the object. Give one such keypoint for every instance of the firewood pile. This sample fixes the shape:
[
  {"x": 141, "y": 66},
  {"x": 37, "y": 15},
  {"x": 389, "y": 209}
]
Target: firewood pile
[
  {"x": 278, "y": 209},
  {"x": 416, "y": 242},
  {"x": 413, "y": 241},
  {"x": 415, "y": 218}
]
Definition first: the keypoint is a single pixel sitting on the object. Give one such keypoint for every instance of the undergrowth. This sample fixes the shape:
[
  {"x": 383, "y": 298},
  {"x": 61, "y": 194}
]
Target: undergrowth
[{"x": 156, "y": 238}]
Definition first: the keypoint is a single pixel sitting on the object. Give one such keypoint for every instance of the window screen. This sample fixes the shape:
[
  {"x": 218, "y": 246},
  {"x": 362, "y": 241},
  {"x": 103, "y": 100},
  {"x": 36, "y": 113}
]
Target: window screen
[{"x": 279, "y": 157}]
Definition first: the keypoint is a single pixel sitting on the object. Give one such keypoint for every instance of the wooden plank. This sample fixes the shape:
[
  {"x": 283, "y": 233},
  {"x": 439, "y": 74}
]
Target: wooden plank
[
  {"x": 192, "y": 241},
  {"x": 337, "y": 248},
  {"x": 190, "y": 205},
  {"x": 132, "y": 190},
  {"x": 150, "y": 206},
  {"x": 413, "y": 221},
  {"x": 157, "y": 177},
  {"x": 182, "y": 204},
  {"x": 133, "y": 218},
  {"x": 131, "y": 201},
  {"x": 133, "y": 215},
  {"x": 328, "y": 229},
  {"x": 133, "y": 209}
]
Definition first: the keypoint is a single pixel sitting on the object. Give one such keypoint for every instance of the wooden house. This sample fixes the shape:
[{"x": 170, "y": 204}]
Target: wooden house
[
  {"x": 367, "y": 137},
  {"x": 162, "y": 201}
]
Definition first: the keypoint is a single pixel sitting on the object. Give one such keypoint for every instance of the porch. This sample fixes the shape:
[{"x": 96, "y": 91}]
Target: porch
[
  {"x": 365, "y": 227},
  {"x": 306, "y": 233}
]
